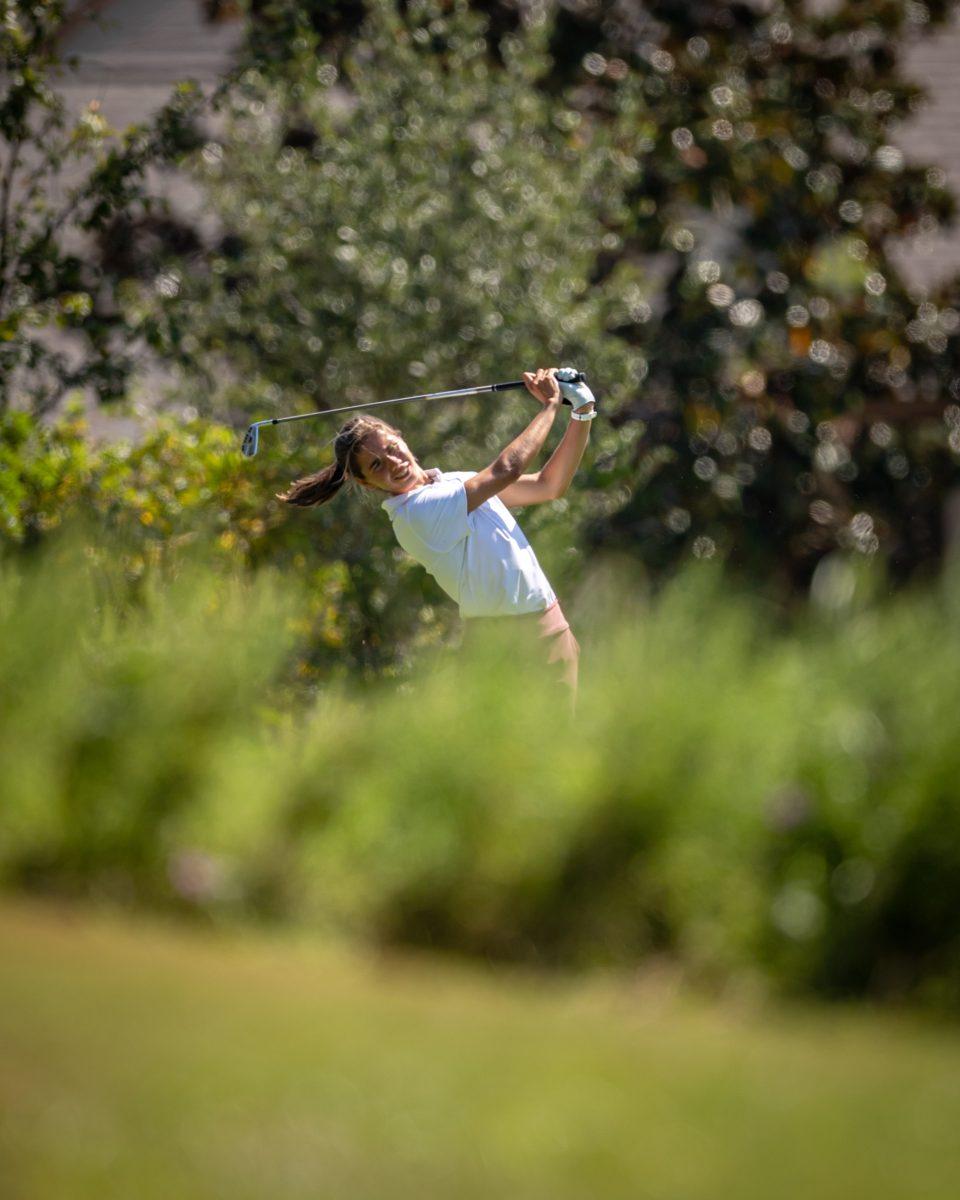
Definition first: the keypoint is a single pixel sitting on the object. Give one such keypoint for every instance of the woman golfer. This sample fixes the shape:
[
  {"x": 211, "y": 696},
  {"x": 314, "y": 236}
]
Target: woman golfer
[{"x": 457, "y": 524}]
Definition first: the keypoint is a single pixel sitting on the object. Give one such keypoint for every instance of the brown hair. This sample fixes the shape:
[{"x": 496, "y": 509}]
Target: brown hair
[{"x": 324, "y": 485}]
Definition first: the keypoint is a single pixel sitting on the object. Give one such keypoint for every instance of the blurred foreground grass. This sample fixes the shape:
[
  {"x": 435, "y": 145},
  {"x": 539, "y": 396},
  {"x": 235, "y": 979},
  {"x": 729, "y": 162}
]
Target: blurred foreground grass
[
  {"x": 138, "y": 1058},
  {"x": 776, "y": 806}
]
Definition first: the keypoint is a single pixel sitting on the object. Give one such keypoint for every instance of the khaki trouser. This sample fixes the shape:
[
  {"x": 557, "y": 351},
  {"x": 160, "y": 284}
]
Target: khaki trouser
[{"x": 554, "y": 632}]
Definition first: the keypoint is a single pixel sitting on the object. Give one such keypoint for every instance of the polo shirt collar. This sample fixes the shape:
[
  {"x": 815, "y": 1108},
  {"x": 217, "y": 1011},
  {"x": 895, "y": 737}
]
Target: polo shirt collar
[{"x": 393, "y": 502}]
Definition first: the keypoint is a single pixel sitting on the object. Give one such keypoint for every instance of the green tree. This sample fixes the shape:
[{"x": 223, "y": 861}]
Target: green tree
[
  {"x": 802, "y": 398},
  {"x": 443, "y": 218},
  {"x": 273, "y": 24},
  {"x": 61, "y": 181}
]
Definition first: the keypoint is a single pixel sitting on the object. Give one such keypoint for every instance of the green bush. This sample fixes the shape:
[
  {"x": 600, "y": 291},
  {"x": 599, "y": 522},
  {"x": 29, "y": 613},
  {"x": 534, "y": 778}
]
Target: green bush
[
  {"x": 185, "y": 484},
  {"x": 114, "y": 704},
  {"x": 751, "y": 803}
]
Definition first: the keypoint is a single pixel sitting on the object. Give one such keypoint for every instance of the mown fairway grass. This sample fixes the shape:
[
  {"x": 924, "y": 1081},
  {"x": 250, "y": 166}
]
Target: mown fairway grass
[{"x": 139, "y": 1059}]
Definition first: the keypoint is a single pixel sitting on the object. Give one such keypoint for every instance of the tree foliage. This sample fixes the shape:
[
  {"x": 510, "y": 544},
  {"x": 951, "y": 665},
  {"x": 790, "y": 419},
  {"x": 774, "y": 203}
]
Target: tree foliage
[
  {"x": 802, "y": 396},
  {"x": 61, "y": 181},
  {"x": 415, "y": 219}
]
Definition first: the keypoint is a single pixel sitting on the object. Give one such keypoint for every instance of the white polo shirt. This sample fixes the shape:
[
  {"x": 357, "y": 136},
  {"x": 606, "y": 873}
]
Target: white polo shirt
[{"x": 482, "y": 559}]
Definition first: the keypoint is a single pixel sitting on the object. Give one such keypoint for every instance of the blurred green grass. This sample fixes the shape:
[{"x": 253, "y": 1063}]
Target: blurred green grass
[
  {"x": 139, "y": 1058},
  {"x": 777, "y": 804}
]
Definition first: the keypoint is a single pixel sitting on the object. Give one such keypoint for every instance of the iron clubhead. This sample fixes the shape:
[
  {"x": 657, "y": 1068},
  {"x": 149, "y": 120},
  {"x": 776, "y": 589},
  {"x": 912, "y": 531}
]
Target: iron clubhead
[{"x": 251, "y": 441}]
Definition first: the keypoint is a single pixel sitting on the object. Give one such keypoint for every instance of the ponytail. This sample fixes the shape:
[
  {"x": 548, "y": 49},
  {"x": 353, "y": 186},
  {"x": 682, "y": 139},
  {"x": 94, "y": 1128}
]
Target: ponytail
[
  {"x": 324, "y": 485},
  {"x": 315, "y": 489}
]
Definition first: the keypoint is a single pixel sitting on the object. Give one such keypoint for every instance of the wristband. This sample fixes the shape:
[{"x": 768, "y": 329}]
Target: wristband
[{"x": 575, "y": 416}]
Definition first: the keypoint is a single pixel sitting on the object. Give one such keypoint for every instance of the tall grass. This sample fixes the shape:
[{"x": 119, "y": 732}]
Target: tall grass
[
  {"x": 116, "y": 696},
  {"x": 750, "y": 802}
]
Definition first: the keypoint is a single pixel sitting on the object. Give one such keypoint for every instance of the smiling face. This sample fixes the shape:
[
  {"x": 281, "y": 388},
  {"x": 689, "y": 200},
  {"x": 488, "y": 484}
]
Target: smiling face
[{"x": 385, "y": 462}]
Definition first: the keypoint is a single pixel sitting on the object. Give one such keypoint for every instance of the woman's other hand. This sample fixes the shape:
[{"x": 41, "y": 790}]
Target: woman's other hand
[{"x": 543, "y": 386}]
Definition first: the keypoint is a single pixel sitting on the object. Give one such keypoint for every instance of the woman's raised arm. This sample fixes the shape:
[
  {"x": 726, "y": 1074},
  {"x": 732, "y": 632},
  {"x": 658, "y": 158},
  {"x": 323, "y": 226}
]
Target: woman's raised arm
[
  {"x": 552, "y": 481},
  {"x": 507, "y": 468}
]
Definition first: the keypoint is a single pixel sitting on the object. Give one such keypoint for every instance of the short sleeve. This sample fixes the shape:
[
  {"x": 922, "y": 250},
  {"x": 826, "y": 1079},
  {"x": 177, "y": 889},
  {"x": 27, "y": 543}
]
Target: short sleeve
[{"x": 438, "y": 515}]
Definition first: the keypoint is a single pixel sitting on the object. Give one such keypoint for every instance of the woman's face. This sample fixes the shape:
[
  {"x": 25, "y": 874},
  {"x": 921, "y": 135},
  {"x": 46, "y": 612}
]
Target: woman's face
[{"x": 385, "y": 462}]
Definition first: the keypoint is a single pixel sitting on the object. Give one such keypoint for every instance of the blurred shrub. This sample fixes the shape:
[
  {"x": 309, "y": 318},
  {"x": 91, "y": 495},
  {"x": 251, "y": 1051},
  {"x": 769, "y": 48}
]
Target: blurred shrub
[
  {"x": 752, "y": 804},
  {"x": 112, "y": 704},
  {"x": 43, "y": 470},
  {"x": 185, "y": 484}
]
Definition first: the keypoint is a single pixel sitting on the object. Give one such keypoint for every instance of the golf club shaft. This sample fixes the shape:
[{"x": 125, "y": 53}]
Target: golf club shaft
[
  {"x": 470, "y": 391},
  {"x": 251, "y": 439}
]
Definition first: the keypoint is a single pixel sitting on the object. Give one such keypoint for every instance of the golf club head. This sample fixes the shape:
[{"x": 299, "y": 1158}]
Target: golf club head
[{"x": 251, "y": 441}]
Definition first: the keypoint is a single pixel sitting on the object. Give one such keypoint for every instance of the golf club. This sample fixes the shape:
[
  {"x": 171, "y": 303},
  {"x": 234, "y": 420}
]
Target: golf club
[{"x": 251, "y": 439}]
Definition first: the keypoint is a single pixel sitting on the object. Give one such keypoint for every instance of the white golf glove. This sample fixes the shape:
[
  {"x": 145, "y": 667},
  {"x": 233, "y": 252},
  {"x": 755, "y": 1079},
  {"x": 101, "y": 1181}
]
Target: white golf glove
[{"x": 578, "y": 394}]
